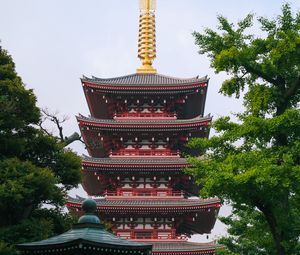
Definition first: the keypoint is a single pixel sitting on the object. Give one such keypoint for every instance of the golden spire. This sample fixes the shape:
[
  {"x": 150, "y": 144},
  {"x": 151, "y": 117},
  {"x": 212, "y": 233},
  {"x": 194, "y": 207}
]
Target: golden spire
[{"x": 147, "y": 38}]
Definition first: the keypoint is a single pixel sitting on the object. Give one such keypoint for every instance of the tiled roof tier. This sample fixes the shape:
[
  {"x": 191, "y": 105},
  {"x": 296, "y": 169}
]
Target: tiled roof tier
[
  {"x": 88, "y": 238},
  {"x": 183, "y": 248},
  {"x": 134, "y": 163},
  {"x": 145, "y": 124},
  {"x": 153, "y": 205},
  {"x": 142, "y": 81}
]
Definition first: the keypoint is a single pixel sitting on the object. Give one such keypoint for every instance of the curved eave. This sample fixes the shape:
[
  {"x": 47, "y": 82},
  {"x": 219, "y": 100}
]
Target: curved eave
[
  {"x": 133, "y": 163},
  {"x": 155, "y": 209},
  {"x": 125, "y": 206},
  {"x": 203, "y": 251},
  {"x": 99, "y": 165},
  {"x": 81, "y": 244},
  {"x": 138, "y": 82},
  {"x": 149, "y": 89},
  {"x": 148, "y": 124},
  {"x": 85, "y": 238}
]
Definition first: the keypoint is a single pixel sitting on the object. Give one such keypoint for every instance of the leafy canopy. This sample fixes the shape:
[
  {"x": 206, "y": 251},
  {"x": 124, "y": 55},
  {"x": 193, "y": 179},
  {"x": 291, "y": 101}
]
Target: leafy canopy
[
  {"x": 35, "y": 168},
  {"x": 255, "y": 162}
]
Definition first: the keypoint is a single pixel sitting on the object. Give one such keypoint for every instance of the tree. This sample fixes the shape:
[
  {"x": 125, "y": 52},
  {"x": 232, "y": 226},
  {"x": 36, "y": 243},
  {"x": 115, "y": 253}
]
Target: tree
[
  {"x": 255, "y": 162},
  {"x": 35, "y": 167}
]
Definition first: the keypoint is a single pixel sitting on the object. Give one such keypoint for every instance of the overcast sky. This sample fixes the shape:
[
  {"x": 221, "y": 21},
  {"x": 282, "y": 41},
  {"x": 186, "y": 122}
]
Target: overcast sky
[{"x": 55, "y": 42}]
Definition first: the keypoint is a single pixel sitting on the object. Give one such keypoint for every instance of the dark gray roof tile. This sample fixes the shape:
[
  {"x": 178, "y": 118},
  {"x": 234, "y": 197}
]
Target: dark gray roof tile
[
  {"x": 134, "y": 161},
  {"x": 145, "y": 80},
  {"x": 149, "y": 203},
  {"x": 182, "y": 246},
  {"x": 144, "y": 121}
]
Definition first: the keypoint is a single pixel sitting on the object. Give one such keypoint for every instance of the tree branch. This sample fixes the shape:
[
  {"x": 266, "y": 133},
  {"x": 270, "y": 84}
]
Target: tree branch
[
  {"x": 74, "y": 137},
  {"x": 53, "y": 118},
  {"x": 293, "y": 88},
  {"x": 256, "y": 71},
  {"x": 44, "y": 129}
]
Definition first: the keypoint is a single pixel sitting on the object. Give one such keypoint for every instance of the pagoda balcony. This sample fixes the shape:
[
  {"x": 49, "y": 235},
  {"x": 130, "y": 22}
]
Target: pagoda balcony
[
  {"x": 145, "y": 115},
  {"x": 145, "y": 234},
  {"x": 144, "y": 194},
  {"x": 144, "y": 153}
]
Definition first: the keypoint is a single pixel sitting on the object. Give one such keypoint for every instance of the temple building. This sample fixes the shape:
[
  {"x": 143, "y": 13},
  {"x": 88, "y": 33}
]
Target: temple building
[
  {"x": 136, "y": 138},
  {"x": 87, "y": 237}
]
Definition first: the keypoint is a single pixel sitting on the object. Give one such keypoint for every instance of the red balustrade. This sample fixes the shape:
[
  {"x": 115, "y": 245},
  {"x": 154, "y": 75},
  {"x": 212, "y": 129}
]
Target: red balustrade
[
  {"x": 139, "y": 115},
  {"x": 144, "y": 153},
  {"x": 145, "y": 193}
]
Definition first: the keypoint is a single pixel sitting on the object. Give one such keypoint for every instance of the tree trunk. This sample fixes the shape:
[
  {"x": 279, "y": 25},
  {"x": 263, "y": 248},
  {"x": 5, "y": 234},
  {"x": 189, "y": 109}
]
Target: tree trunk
[{"x": 276, "y": 233}]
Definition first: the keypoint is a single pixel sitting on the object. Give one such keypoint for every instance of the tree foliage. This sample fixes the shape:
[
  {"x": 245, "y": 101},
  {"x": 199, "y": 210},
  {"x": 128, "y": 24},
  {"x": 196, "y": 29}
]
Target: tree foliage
[
  {"x": 35, "y": 167},
  {"x": 255, "y": 162}
]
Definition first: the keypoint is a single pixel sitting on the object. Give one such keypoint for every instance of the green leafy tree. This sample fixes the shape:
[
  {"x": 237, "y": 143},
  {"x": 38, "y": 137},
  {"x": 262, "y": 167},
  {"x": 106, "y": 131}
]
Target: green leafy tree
[
  {"x": 255, "y": 162},
  {"x": 35, "y": 167}
]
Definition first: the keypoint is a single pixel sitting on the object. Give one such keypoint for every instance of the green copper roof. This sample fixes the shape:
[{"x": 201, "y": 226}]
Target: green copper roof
[{"x": 88, "y": 235}]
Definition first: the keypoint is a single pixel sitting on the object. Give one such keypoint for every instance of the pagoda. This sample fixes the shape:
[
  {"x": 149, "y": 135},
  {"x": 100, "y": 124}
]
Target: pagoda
[{"x": 136, "y": 138}]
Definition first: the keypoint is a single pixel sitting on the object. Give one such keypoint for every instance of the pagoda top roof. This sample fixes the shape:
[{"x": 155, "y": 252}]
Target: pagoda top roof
[
  {"x": 145, "y": 80},
  {"x": 163, "y": 203},
  {"x": 183, "y": 247},
  {"x": 134, "y": 162}
]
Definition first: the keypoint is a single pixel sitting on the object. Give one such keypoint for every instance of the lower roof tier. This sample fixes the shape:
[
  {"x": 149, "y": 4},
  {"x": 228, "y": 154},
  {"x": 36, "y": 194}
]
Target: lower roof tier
[
  {"x": 185, "y": 216},
  {"x": 149, "y": 206},
  {"x": 183, "y": 248}
]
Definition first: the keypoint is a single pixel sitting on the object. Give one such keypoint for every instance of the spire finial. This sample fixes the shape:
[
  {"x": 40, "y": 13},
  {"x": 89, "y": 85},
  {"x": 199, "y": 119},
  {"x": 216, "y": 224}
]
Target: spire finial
[
  {"x": 89, "y": 206},
  {"x": 147, "y": 36}
]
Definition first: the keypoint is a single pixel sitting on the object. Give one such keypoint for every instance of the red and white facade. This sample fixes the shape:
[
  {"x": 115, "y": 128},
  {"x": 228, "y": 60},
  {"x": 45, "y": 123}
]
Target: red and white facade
[{"x": 136, "y": 138}]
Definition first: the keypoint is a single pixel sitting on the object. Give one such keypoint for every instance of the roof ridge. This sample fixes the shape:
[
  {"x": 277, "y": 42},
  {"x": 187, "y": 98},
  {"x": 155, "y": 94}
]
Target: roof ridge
[
  {"x": 137, "y": 74},
  {"x": 143, "y": 121},
  {"x": 146, "y": 79}
]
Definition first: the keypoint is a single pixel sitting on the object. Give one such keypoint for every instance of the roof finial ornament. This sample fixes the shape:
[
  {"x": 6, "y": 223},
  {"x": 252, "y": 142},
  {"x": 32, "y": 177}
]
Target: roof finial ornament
[
  {"x": 89, "y": 206},
  {"x": 147, "y": 36}
]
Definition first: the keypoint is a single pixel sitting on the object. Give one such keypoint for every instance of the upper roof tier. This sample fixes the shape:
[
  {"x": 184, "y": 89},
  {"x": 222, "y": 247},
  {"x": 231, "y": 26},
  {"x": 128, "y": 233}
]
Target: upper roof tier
[
  {"x": 99, "y": 134},
  {"x": 106, "y": 97},
  {"x": 142, "y": 124},
  {"x": 142, "y": 81}
]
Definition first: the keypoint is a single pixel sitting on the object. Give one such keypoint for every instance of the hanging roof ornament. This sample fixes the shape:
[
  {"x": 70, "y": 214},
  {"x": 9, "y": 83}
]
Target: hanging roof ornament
[{"x": 147, "y": 36}]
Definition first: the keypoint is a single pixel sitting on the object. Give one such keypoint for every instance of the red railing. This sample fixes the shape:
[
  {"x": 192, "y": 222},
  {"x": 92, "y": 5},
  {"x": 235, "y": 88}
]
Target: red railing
[
  {"x": 144, "y": 234},
  {"x": 144, "y": 193},
  {"x": 138, "y": 115},
  {"x": 144, "y": 152}
]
